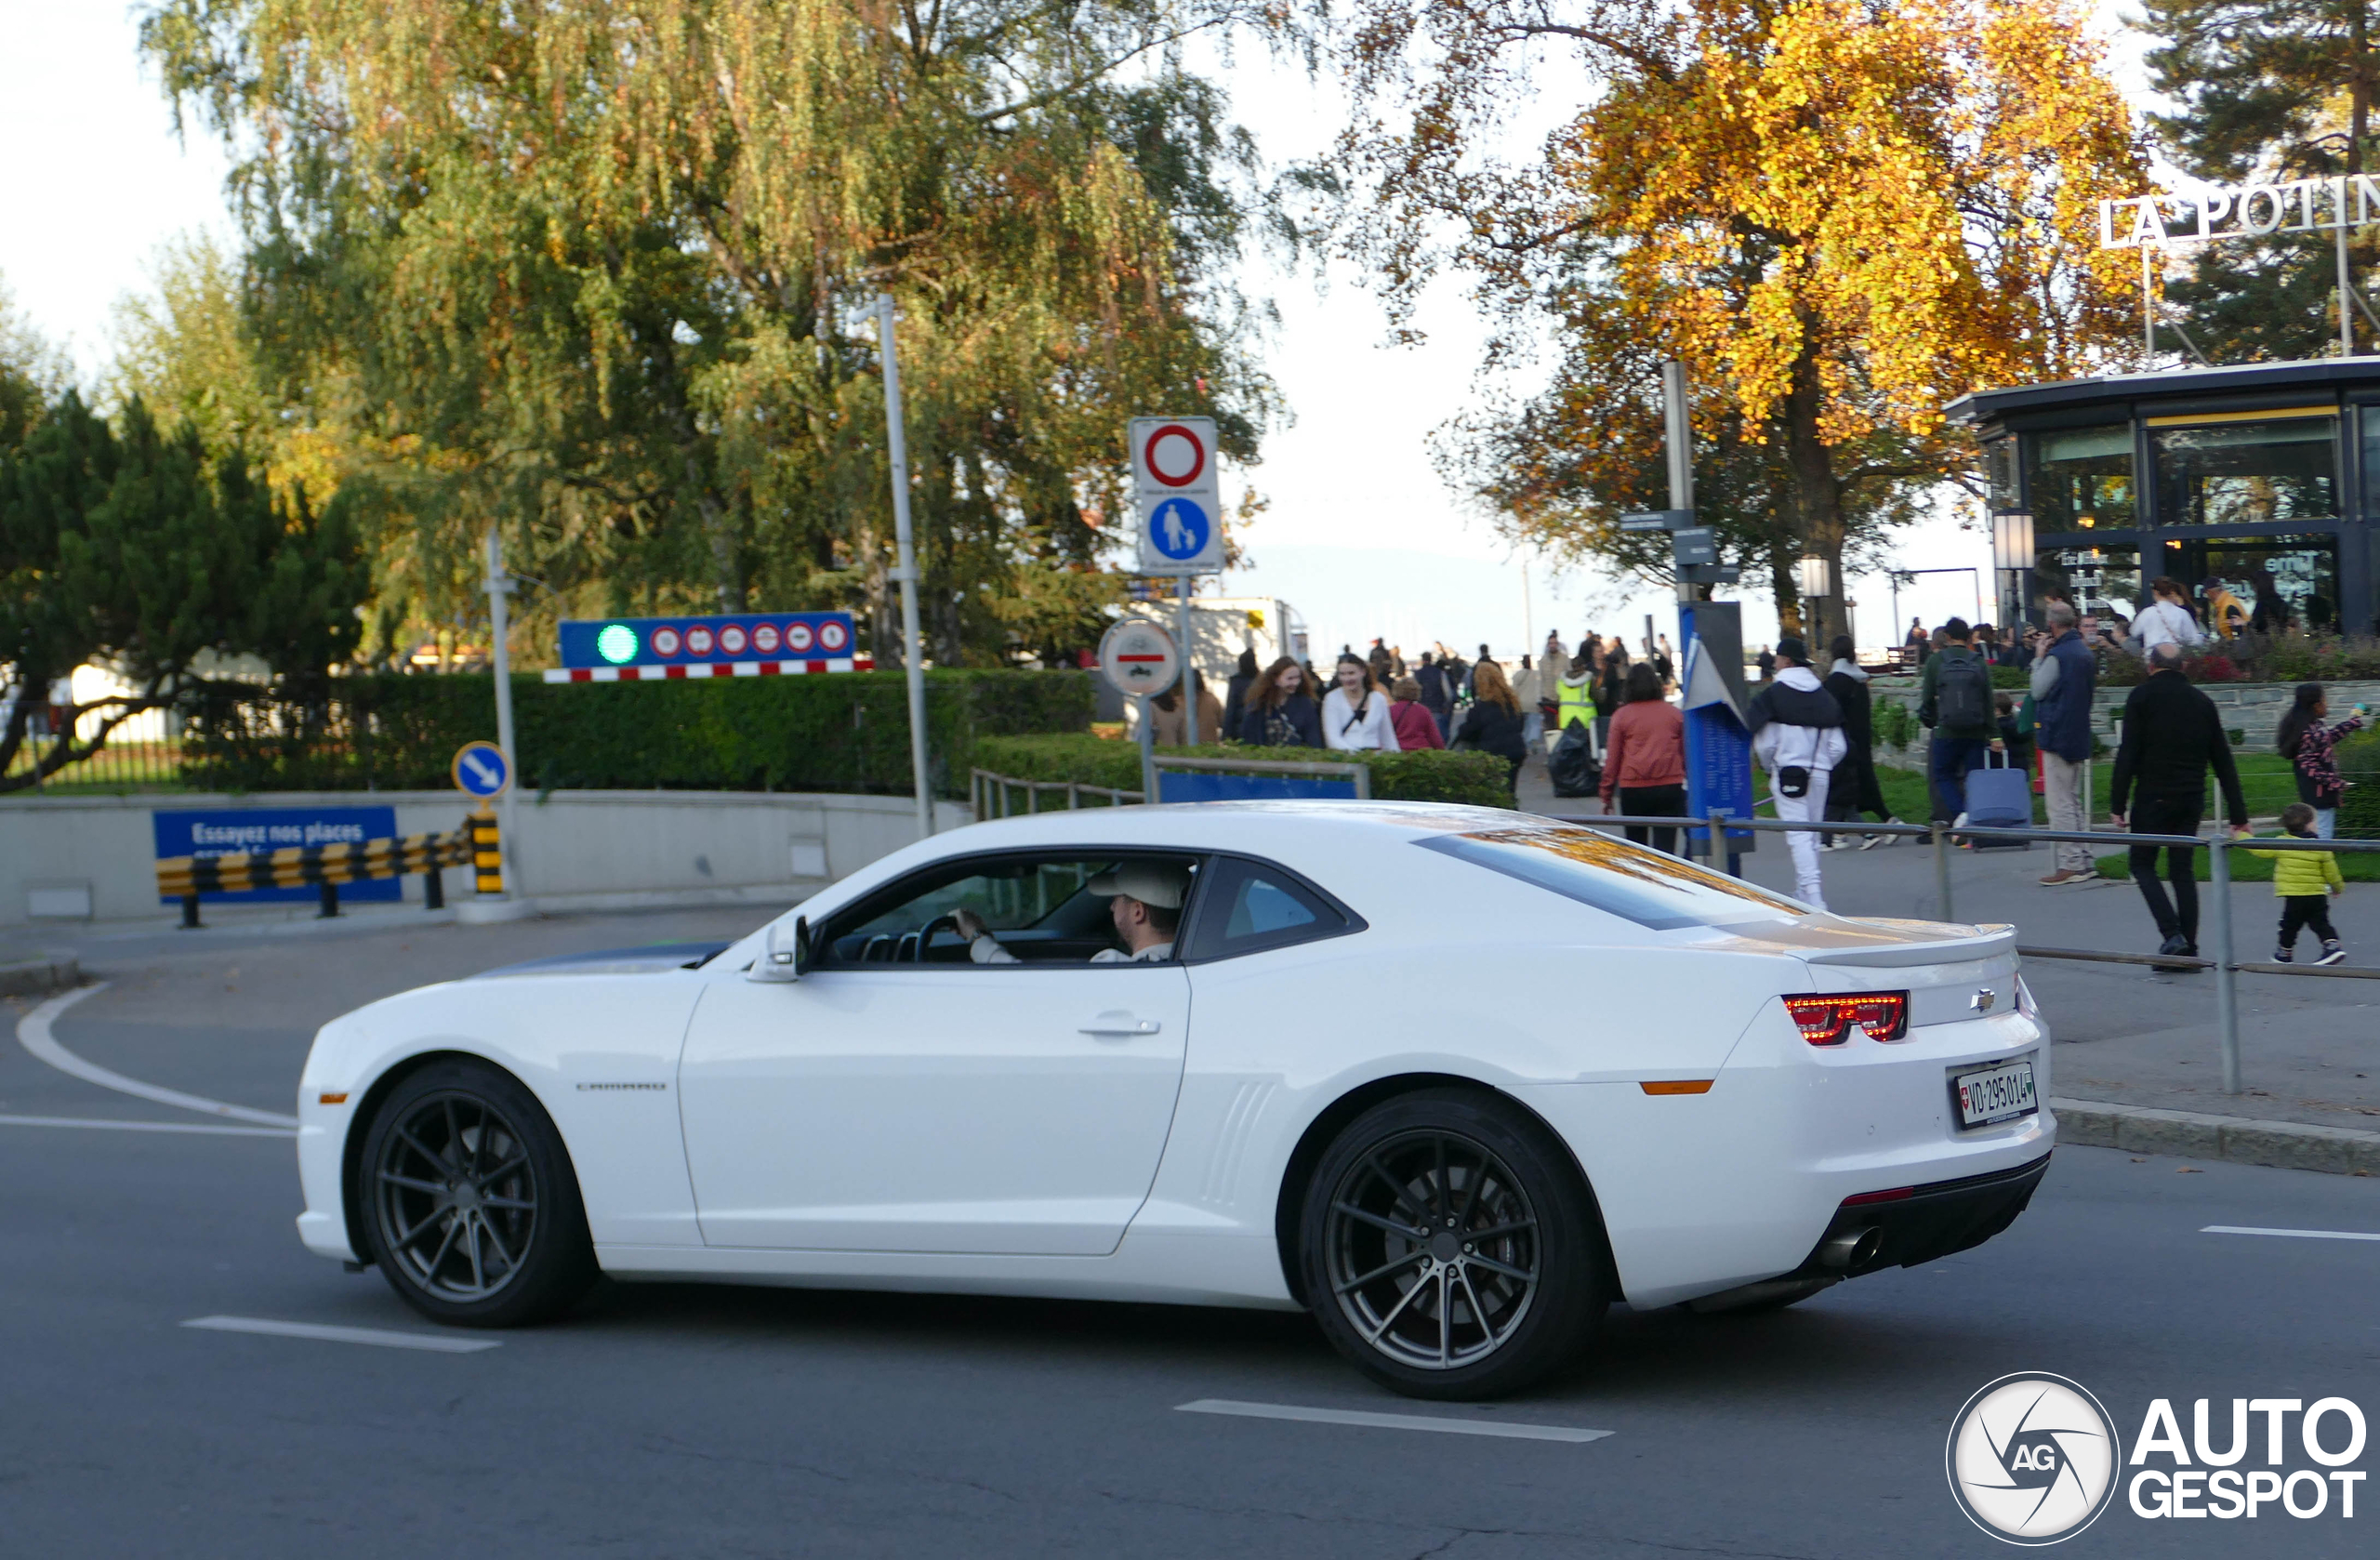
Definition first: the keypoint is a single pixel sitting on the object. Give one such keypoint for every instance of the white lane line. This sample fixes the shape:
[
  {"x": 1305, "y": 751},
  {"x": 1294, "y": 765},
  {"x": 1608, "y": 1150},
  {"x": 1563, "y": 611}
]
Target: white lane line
[
  {"x": 2301, "y": 1235},
  {"x": 33, "y": 1032},
  {"x": 1389, "y": 1422},
  {"x": 436, "y": 1343},
  {"x": 205, "y": 1128}
]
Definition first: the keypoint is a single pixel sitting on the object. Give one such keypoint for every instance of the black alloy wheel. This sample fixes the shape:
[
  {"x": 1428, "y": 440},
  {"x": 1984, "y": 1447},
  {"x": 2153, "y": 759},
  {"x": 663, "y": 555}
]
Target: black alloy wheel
[
  {"x": 1450, "y": 1248},
  {"x": 470, "y": 1206}
]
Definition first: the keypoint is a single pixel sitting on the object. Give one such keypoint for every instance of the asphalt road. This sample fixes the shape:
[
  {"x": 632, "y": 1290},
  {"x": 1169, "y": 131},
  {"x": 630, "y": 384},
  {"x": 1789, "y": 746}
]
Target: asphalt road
[{"x": 686, "y": 1420}]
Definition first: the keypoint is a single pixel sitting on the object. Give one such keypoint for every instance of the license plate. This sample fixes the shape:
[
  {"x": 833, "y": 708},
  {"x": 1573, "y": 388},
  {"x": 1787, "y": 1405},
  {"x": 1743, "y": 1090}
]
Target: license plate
[{"x": 1995, "y": 1093}]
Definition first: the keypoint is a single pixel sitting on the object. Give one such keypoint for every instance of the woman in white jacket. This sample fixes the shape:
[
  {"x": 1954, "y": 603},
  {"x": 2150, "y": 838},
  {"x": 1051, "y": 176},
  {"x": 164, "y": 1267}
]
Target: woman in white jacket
[{"x": 1355, "y": 713}]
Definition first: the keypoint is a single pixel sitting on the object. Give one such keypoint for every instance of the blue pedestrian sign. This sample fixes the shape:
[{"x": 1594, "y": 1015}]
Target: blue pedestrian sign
[
  {"x": 1178, "y": 529},
  {"x": 481, "y": 770}
]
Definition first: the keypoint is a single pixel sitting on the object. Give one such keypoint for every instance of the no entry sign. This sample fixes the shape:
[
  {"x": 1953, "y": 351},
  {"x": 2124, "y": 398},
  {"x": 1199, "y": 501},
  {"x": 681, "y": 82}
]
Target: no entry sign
[{"x": 1179, "y": 503}]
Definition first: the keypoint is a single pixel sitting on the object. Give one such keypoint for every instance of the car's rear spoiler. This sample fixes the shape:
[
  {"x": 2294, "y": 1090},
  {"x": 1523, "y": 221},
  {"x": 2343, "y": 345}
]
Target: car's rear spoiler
[{"x": 1982, "y": 941}]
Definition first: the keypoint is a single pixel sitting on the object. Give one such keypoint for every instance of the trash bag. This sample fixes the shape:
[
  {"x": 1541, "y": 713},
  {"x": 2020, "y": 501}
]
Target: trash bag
[{"x": 1572, "y": 765}]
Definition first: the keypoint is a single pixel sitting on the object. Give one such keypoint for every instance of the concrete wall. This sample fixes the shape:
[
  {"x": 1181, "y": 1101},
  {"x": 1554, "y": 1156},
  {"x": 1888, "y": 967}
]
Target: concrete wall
[
  {"x": 575, "y": 850},
  {"x": 2253, "y": 708}
]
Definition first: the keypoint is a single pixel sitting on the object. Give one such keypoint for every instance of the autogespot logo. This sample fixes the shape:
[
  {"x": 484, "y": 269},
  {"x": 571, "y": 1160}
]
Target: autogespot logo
[{"x": 2032, "y": 1458}]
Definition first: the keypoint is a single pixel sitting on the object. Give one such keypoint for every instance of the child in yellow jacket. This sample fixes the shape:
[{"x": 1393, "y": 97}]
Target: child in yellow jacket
[{"x": 2305, "y": 880}]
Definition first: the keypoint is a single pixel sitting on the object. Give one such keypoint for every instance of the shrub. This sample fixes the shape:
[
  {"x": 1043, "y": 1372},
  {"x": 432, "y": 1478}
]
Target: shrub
[
  {"x": 1894, "y": 725},
  {"x": 1431, "y": 775},
  {"x": 2359, "y": 760}
]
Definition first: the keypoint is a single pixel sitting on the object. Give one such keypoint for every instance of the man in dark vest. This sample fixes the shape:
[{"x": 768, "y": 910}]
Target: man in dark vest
[{"x": 2064, "y": 677}]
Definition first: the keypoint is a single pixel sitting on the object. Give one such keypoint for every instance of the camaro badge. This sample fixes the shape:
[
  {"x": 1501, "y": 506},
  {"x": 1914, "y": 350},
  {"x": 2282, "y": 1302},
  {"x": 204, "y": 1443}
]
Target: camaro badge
[{"x": 1981, "y": 1001}]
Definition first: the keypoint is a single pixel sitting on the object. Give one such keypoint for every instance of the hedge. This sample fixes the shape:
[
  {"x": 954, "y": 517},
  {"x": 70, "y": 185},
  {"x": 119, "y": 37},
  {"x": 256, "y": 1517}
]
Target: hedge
[
  {"x": 1428, "y": 776},
  {"x": 2359, "y": 760},
  {"x": 837, "y": 731}
]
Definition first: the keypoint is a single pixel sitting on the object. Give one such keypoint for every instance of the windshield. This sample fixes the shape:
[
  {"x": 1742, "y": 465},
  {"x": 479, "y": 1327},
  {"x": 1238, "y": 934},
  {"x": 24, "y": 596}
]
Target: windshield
[{"x": 1641, "y": 885}]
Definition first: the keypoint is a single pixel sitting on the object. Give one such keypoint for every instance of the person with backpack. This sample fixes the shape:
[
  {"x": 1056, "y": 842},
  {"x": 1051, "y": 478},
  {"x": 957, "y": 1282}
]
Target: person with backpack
[
  {"x": 1355, "y": 713},
  {"x": 2064, "y": 675},
  {"x": 2304, "y": 882},
  {"x": 1955, "y": 697},
  {"x": 2171, "y": 737},
  {"x": 1797, "y": 736},
  {"x": 2309, "y": 745}
]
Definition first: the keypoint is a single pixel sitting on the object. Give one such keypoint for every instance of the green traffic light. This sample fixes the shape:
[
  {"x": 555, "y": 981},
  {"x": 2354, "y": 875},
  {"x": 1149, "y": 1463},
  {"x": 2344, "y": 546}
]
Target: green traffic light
[{"x": 617, "y": 643}]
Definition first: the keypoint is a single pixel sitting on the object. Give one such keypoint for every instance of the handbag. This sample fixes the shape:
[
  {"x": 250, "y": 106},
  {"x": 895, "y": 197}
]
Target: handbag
[{"x": 1794, "y": 780}]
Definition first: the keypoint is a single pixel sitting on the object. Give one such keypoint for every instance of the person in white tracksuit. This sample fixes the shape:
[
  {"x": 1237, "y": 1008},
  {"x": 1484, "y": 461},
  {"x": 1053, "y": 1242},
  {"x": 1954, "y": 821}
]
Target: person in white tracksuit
[{"x": 1797, "y": 736}]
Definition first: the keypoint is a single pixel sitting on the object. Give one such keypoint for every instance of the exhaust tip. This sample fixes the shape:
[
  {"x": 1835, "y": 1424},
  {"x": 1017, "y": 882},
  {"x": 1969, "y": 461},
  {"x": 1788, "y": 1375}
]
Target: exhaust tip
[{"x": 1851, "y": 1249}]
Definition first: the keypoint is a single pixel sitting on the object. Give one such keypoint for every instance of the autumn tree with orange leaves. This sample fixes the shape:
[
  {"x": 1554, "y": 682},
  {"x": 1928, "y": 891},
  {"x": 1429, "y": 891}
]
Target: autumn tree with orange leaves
[{"x": 1841, "y": 216}]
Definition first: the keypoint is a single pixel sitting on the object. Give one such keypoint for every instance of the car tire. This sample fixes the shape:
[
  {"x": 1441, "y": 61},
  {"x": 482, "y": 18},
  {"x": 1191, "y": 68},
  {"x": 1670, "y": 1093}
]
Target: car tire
[
  {"x": 1450, "y": 1248},
  {"x": 469, "y": 1205}
]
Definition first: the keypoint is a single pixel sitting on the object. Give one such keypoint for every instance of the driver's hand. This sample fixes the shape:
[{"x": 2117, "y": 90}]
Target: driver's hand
[{"x": 970, "y": 924}]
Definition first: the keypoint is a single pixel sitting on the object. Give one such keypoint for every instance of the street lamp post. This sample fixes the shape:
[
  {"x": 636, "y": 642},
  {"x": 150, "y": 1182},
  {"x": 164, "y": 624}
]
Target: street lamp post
[
  {"x": 1815, "y": 580},
  {"x": 2012, "y": 554}
]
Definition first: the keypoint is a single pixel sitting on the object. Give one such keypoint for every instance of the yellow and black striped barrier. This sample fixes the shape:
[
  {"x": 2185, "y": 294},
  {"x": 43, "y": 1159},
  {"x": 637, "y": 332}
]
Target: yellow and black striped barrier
[{"x": 185, "y": 877}]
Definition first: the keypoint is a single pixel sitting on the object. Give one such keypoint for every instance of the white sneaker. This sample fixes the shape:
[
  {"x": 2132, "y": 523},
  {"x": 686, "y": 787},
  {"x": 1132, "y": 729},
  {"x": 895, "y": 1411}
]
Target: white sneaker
[{"x": 1959, "y": 822}]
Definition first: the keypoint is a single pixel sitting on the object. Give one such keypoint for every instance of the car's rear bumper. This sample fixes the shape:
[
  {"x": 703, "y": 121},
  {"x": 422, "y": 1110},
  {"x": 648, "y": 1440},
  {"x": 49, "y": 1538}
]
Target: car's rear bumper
[{"x": 1928, "y": 1221}]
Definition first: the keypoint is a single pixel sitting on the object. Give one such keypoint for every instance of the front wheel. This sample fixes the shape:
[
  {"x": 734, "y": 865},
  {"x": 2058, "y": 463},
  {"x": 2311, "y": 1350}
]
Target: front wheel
[
  {"x": 1449, "y": 1248},
  {"x": 470, "y": 1206}
]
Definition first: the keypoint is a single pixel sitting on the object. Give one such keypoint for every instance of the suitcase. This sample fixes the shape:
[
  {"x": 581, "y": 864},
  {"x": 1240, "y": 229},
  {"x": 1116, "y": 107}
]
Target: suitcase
[{"x": 2000, "y": 796}]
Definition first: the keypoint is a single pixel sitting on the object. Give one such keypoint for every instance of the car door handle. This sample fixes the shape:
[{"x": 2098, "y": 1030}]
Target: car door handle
[{"x": 1121, "y": 1025}]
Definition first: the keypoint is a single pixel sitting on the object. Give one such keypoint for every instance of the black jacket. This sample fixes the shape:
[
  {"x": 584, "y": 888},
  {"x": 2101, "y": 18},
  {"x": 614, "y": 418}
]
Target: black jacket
[
  {"x": 1493, "y": 729},
  {"x": 1302, "y": 714},
  {"x": 2171, "y": 737},
  {"x": 1851, "y": 697}
]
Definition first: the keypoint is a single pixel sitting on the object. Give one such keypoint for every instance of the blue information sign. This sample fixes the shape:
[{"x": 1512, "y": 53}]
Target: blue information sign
[
  {"x": 1178, "y": 528},
  {"x": 1718, "y": 747},
  {"x": 481, "y": 770},
  {"x": 234, "y": 831},
  {"x": 596, "y": 642},
  {"x": 1206, "y": 786}
]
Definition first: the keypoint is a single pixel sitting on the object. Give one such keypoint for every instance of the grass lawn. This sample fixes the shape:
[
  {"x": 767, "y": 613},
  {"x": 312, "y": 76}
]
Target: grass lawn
[
  {"x": 2264, "y": 779},
  {"x": 2356, "y": 867}
]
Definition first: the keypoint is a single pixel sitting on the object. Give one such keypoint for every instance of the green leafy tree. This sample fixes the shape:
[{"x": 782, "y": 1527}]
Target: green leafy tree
[{"x": 602, "y": 274}]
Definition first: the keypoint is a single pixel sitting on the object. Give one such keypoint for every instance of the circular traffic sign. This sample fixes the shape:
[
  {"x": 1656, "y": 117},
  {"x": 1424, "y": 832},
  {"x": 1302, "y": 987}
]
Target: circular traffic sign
[
  {"x": 832, "y": 635},
  {"x": 1139, "y": 657},
  {"x": 731, "y": 638},
  {"x": 665, "y": 641},
  {"x": 617, "y": 643},
  {"x": 796, "y": 637},
  {"x": 1174, "y": 455},
  {"x": 764, "y": 639},
  {"x": 481, "y": 770},
  {"x": 1178, "y": 528},
  {"x": 698, "y": 642}
]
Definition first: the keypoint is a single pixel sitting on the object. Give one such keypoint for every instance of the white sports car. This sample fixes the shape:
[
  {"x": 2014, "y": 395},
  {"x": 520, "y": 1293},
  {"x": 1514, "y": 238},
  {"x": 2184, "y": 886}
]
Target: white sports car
[{"x": 1452, "y": 1080}]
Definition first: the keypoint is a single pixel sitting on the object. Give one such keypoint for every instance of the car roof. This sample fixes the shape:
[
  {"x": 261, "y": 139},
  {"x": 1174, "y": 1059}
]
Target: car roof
[{"x": 1223, "y": 825}]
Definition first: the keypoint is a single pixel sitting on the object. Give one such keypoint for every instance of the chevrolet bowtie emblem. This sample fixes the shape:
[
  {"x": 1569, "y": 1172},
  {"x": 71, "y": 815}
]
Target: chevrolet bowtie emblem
[{"x": 1982, "y": 1000}]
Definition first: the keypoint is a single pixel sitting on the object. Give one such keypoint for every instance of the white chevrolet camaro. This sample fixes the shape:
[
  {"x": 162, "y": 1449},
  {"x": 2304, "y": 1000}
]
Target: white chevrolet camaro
[{"x": 1454, "y": 1080}]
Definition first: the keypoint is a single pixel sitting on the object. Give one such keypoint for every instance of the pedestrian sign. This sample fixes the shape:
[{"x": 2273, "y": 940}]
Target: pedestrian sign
[
  {"x": 481, "y": 770},
  {"x": 1175, "y": 492}
]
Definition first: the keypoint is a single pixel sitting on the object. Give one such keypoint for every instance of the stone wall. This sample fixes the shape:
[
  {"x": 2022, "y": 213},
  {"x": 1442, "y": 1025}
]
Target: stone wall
[{"x": 2251, "y": 708}]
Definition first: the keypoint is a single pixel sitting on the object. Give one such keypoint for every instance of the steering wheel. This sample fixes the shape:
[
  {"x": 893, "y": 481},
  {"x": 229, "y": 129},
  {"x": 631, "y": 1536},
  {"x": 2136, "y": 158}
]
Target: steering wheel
[{"x": 925, "y": 936}]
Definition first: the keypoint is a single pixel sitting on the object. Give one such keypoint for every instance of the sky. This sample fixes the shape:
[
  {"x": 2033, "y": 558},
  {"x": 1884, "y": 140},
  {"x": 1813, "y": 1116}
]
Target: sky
[{"x": 1363, "y": 537}]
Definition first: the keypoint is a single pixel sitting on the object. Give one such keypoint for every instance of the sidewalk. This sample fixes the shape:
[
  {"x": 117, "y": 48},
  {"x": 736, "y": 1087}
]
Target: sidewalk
[{"x": 2128, "y": 1035}]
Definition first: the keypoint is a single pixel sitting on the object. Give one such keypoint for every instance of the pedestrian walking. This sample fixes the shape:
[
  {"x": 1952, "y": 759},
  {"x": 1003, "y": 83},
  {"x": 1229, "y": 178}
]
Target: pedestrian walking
[
  {"x": 1355, "y": 713},
  {"x": 1280, "y": 713},
  {"x": 2172, "y": 737},
  {"x": 2063, "y": 676},
  {"x": 1797, "y": 736},
  {"x": 1438, "y": 694},
  {"x": 2308, "y": 745},
  {"x": 1529, "y": 688},
  {"x": 2166, "y": 620},
  {"x": 1492, "y": 725},
  {"x": 1612, "y": 690},
  {"x": 1235, "y": 695},
  {"x": 1415, "y": 726},
  {"x": 1919, "y": 644},
  {"x": 2305, "y": 881},
  {"x": 1853, "y": 789},
  {"x": 1665, "y": 663},
  {"x": 1955, "y": 697},
  {"x": 1643, "y": 770},
  {"x": 1166, "y": 726},
  {"x": 1574, "y": 699},
  {"x": 1384, "y": 665}
]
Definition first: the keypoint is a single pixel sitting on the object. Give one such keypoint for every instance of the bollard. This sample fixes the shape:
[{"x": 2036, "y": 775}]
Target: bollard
[
  {"x": 1943, "y": 873},
  {"x": 487, "y": 854},
  {"x": 190, "y": 912},
  {"x": 433, "y": 884},
  {"x": 330, "y": 902},
  {"x": 2226, "y": 979}
]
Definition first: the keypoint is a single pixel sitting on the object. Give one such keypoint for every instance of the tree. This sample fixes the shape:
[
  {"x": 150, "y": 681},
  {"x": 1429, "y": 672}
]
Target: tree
[
  {"x": 2269, "y": 89},
  {"x": 1840, "y": 215},
  {"x": 603, "y": 275}
]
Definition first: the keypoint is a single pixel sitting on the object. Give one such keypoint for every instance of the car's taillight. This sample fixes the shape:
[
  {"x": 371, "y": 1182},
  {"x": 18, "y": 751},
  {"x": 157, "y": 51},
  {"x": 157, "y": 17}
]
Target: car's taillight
[{"x": 1828, "y": 1020}]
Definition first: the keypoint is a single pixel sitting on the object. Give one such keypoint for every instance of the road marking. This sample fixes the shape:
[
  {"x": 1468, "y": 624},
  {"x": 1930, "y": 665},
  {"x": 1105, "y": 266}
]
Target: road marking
[
  {"x": 200, "y": 1127},
  {"x": 33, "y": 1032},
  {"x": 1389, "y": 1422},
  {"x": 2301, "y": 1235},
  {"x": 436, "y": 1343}
]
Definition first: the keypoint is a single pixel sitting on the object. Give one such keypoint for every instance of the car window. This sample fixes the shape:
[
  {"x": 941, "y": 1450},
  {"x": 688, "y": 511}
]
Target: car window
[
  {"x": 1653, "y": 890},
  {"x": 1038, "y": 906},
  {"x": 1248, "y": 906}
]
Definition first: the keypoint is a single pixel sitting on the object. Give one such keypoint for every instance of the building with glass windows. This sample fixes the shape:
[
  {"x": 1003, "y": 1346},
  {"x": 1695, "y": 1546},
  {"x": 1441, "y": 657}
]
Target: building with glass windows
[{"x": 2260, "y": 481}]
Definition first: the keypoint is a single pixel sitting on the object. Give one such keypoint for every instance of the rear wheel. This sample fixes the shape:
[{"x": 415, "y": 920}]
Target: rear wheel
[
  {"x": 1449, "y": 1248},
  {"x": 470, "y": 1205}
]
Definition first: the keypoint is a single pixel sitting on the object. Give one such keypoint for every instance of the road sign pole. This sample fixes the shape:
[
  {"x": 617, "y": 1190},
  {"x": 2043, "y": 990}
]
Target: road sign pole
[
  {"x": 1148, "y": 755},
  {"x": 499, "y": 615},
  {"x": 1189, "y": 694},
  {"x": 897, "y": 456}
]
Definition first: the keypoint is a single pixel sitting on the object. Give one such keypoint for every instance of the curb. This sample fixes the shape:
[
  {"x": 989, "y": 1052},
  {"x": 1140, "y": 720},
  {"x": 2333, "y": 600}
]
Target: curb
[
  {"x": 2239, "y": 1139},
  {"x": 32, "y": 977}
]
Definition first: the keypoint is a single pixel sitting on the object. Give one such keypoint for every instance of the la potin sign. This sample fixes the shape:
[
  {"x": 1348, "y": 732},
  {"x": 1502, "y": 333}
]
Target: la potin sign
[{"x": 2221, "y": 211}]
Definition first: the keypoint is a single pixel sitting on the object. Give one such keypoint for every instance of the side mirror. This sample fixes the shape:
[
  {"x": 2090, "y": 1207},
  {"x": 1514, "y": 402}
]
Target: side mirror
[{"x": 785, "y": 956}]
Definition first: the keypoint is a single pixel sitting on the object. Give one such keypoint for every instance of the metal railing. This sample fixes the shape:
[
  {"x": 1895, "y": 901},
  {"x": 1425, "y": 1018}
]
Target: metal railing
[
  {"x": 993, "y": 796},
  {"x": 1943, "y": 836}
]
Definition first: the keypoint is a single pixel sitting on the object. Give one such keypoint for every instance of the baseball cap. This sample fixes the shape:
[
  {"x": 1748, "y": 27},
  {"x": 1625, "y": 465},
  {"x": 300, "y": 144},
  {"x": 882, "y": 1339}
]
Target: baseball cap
[{"x": 1161, "y": 886}]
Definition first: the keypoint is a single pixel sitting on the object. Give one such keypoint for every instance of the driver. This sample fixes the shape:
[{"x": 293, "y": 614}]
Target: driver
[{"x": 1144, "y": 900}]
